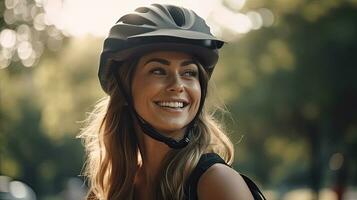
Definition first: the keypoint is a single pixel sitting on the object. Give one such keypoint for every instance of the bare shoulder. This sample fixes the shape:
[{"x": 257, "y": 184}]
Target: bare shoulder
[{"x": 224, "y": 183}]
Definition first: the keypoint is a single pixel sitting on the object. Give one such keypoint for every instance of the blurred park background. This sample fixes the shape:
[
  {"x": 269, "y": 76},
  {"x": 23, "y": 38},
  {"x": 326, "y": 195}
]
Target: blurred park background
[{"x": 288, "y": 76}]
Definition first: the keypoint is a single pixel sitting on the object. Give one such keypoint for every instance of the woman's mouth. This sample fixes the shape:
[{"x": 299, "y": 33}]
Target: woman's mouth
[{"x": 177, "y": 105}]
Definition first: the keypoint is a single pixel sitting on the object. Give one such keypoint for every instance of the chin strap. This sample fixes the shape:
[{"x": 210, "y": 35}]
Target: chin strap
[{"x": 150, "y": 130}]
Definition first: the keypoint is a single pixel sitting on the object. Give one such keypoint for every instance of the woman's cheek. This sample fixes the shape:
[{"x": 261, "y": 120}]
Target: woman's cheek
[{"x": 195, "y": 93}]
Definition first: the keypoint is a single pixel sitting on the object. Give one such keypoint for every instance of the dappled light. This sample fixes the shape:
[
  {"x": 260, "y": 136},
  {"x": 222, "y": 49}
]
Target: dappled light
[
  {"x": 287, "y": 76},
  {"x": 12, "y": 189},
  {"x": 53, "y": 20}
]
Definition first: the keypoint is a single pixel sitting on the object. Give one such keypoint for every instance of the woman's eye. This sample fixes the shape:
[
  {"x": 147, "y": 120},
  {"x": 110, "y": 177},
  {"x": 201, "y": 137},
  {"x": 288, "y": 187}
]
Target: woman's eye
[
  {"x": 158, "y": 71},
  {"x": 190, "y": 73}
]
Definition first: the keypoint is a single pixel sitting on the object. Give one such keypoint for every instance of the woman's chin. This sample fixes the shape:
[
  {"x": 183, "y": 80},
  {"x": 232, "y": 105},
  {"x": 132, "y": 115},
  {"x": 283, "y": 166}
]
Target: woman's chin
[{"x": 176, "y": 132}]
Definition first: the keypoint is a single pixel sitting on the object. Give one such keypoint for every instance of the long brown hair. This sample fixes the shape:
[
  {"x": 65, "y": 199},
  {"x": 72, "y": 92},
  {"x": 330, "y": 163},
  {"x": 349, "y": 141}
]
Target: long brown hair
[{"x": 113, "y": 156}]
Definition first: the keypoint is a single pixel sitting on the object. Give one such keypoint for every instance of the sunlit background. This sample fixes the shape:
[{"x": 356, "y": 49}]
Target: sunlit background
[
  {"x": 287, "y": 75},
  {"x": 41, "y": 24}
]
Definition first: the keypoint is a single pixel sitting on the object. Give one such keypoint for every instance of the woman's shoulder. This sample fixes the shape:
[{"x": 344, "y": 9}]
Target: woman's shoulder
[{"x": 220, "y": 181}]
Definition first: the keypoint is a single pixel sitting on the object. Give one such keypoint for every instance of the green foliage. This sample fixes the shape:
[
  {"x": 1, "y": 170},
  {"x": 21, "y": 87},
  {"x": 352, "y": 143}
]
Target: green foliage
[
  {"x": 67, "y": 86},
  {"x": 294, "y": 94},
  {"x": 291, "y": 90}
]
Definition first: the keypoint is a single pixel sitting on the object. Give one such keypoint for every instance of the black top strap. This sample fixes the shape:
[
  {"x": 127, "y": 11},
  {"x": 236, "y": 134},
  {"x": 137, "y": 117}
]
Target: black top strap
[
  {"x": 257, "y": 194},
  {"x": 205, "y": 162}
]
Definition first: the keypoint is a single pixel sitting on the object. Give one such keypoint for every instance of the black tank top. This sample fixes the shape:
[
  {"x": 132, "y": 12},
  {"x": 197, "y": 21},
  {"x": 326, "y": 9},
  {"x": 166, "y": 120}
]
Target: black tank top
[{"x": 205, "y": 162}]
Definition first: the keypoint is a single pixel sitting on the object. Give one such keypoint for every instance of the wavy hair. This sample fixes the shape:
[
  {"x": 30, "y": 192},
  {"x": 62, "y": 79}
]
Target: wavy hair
[{"x": 113, "y": 156}]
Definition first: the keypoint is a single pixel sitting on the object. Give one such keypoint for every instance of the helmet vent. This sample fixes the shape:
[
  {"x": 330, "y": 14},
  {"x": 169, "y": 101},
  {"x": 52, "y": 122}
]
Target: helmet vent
[
  {"x": 142, "y": 10},
  {"x": 138, "y": 20},
  {"x": 177, "y": 15}
]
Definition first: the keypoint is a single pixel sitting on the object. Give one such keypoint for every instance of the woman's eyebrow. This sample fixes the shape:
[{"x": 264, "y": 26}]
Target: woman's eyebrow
[
  {"x": 160, "y": 60},
  {"x": 188, "y": 62},
  {"x": 166, "y": 62}
]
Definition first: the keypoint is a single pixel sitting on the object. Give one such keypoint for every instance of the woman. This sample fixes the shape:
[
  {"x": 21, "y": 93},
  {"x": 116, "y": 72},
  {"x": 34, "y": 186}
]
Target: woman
[{"x": 151, "y": 138}]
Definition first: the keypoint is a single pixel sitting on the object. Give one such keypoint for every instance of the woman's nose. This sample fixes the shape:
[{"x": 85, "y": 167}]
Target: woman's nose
[{"x": 175, "y": 84}]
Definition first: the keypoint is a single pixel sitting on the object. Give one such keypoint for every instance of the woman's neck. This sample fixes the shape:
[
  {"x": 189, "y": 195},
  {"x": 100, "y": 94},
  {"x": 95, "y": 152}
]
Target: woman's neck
[{"x": 153, "y": 154}]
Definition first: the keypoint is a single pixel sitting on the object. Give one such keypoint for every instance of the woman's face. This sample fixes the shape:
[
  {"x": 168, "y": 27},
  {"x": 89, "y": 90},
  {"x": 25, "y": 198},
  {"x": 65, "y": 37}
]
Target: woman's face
[{"x": 166, "y": 91}]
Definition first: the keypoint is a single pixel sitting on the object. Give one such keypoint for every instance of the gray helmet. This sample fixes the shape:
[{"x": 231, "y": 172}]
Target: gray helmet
[{"x": 158, "y": 27}]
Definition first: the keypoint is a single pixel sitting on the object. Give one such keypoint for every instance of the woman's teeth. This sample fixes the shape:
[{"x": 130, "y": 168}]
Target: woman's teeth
[{"x": 171, "y": 104}]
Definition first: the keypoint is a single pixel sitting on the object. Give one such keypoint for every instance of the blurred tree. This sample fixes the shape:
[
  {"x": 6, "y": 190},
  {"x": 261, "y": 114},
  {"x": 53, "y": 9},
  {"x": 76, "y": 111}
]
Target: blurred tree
[
  {"x": 27, "y": 151},
  {"x": 291, "y": 90},
  {"x": 296, "y": 90},
  {"x": 70, "y": 86}
]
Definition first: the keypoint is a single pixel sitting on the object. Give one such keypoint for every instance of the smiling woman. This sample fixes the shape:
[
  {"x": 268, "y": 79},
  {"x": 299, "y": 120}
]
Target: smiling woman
[
  {"x": 166, "y": 91},
  {"x": 151, "y": 138}
]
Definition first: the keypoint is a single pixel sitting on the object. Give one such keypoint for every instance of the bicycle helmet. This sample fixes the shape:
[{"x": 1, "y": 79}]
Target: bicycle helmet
[{"x": 158, "y": 27}]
